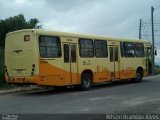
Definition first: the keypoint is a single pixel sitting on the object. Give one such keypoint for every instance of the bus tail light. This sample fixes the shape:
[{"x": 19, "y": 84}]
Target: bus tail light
[
  {"x": 26, "y": 38},
  {"x": 33, "y": 69}
]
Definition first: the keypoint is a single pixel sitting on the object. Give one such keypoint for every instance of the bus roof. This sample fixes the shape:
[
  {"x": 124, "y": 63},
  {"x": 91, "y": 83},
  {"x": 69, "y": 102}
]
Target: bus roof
[{"x": 73, "y": 35}]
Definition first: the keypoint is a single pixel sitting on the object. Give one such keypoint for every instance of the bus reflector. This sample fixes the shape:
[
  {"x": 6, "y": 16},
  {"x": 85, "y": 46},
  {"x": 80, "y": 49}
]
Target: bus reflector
[{"x": 27, "y": 38}]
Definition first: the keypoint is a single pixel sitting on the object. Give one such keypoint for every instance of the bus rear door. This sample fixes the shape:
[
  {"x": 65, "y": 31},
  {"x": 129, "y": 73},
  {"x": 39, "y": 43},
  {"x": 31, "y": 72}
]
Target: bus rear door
[
  {"x": 114, "y": 61},
  {"x": 70, "y": 62}
]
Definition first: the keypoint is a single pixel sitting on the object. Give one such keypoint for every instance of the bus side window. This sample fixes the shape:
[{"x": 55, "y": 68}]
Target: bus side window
[
  {"x": 86, "y": 48},
  {"x": 129, "y": 49},
  {"x": 49, "y": 47},
  {"x": 66, "y": 53},
  {"x": 101, "y": 48},
  {"x": 139, "y": 50}
]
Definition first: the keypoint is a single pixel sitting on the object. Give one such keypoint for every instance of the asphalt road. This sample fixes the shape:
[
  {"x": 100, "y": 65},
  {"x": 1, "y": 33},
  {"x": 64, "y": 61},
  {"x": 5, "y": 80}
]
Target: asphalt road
[{"x": 123, "y": 97}]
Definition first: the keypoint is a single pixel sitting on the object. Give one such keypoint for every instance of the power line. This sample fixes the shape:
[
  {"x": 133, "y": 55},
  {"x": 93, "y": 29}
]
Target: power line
[
  {"x": 148, "y": 27},
  {"x": 157, "y": 6},
  {"x": 154, "y": 23},
  {"x": 150, "y": 35},
  {"x": 145, "y": 30}
]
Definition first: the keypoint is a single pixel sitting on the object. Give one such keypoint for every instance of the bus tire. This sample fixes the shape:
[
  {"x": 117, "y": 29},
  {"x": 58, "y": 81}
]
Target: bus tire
[
  {"x": 86, "y": 81},
  {"x": 139, "y": 77}
]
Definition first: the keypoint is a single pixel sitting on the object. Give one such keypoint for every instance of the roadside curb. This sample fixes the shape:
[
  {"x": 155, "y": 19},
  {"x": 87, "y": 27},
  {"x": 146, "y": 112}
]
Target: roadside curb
[{"x": 20, "y": 89}]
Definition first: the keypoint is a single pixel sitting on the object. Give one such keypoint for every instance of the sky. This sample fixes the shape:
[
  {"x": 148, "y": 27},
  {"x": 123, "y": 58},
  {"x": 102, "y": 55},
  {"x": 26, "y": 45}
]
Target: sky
[{"x": 118, "y": 18}]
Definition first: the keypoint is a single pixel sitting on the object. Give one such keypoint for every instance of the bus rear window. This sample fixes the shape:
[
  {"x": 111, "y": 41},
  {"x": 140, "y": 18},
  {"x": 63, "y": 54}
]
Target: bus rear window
[{"x": 49, "y": 47}]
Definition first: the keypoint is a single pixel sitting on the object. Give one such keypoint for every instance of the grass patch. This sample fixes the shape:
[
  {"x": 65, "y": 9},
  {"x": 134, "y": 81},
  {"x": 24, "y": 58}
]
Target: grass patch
[{"x": 3, "y": 84}]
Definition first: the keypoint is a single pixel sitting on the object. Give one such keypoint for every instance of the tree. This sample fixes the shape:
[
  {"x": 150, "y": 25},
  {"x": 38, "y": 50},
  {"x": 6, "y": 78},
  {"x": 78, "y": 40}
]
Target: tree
[{"x": 16, "y": 23}]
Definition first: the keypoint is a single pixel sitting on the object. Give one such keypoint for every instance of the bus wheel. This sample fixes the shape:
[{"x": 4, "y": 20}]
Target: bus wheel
[
  {"x": 86, "y": 81},
  {"x": 139, "y": 77}
]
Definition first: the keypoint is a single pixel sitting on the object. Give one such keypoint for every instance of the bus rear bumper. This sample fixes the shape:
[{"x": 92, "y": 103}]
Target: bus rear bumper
[
  {"x": 22, "y": 80},
  {"x": 56, "y": 80}
]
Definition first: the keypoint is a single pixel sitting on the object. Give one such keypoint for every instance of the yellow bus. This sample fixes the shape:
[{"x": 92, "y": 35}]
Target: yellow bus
[{"x": 50, "y": 58}]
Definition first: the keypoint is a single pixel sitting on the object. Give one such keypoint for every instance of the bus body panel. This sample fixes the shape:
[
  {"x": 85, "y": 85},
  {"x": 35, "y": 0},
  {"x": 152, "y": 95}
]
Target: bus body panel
[{"x": 68, "y": 68}]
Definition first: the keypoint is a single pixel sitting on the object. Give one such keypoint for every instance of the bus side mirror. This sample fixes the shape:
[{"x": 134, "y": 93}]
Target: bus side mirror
[{"x": 155, "y": 52}]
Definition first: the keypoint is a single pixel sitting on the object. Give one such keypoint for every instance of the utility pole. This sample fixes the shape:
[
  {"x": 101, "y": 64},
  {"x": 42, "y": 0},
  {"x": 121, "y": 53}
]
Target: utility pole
[
  {"x": 153, "y": 63},
  {"x": 140, "y": 29}
]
